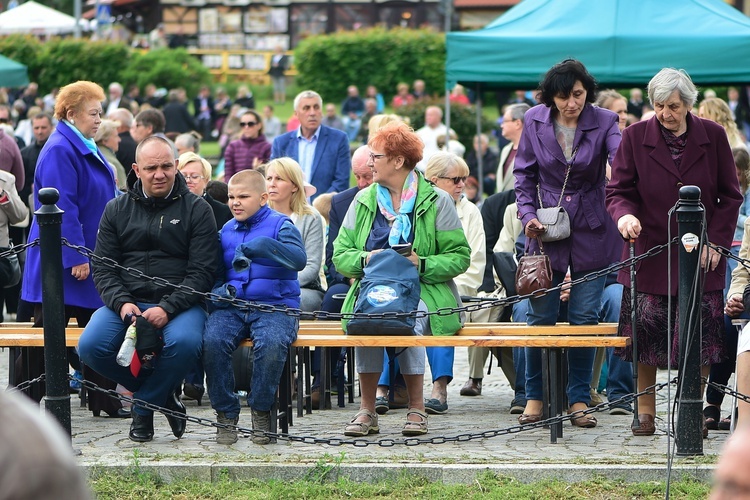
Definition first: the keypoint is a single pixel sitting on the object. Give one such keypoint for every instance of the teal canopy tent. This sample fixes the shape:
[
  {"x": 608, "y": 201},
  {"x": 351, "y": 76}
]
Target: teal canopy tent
[
  {"x": 622, "y": 43},
  {"x": 12, "y": 73}
]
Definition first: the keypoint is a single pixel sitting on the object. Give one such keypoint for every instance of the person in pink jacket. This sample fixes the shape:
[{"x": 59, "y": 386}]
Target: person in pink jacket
[{"x": 250, "y": 150}]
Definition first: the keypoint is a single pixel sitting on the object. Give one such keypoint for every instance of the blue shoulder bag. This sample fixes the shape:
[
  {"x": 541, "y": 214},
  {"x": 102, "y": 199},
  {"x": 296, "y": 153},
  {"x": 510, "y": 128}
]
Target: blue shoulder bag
[{"x": 390, "y": 285}]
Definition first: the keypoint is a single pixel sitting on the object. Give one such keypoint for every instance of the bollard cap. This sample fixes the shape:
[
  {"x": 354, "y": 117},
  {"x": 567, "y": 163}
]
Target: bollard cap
[
  {"x": 49, "y": 196},
  {"x": 690, "y": 193}
]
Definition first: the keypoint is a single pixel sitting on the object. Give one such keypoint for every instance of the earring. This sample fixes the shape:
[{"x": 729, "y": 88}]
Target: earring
[{"x": 72, "y": 121}]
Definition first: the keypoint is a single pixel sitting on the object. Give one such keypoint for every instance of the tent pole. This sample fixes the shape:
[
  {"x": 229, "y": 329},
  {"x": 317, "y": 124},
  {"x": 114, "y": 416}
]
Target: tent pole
[
  {"x": 480, "y": 160},
  {"x": 77, "y": 15},
  {"x": 448, "y": 5}
]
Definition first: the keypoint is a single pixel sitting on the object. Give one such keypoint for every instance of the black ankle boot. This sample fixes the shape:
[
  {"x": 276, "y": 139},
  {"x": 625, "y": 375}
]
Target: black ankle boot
[
  {"x": 142, "y": 428},
  {"x": 177, "y": 424}
]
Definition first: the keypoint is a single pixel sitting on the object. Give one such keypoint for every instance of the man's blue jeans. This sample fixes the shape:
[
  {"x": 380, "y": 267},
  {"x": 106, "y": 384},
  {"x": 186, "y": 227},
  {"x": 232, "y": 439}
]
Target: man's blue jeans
[
  {"x": 103, "y": 336},
  {"x": 272, "y": 335},
  {"x": 583, "y": 309}
]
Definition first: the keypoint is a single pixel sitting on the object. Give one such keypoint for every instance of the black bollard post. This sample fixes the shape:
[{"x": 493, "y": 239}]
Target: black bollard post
[
  {"x": 49, "y": 218},
  {"x": 689, "y": 438}
]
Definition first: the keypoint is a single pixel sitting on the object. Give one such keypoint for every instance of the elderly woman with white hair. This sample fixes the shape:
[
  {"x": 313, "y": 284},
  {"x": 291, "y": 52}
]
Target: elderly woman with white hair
[
  {"x": 108, "y": 141},
  {"x": 655, "y": 159}
]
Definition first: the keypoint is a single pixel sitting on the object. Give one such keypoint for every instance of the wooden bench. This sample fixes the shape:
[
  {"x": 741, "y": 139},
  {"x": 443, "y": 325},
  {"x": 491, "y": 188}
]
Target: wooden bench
[{"x": 328, "y": 334}]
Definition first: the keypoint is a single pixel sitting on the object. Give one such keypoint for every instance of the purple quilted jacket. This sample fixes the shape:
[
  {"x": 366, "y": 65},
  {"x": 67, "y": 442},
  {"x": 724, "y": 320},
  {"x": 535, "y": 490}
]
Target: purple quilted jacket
[{"x": 241, "y": 152}]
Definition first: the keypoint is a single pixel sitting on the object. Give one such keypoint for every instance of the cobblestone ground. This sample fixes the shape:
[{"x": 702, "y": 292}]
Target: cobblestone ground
[{"x": 608, "y": 449}]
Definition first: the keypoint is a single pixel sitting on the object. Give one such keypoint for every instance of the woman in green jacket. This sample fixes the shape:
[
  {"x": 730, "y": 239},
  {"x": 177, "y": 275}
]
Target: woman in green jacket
[{"x": 401, "y": 207}]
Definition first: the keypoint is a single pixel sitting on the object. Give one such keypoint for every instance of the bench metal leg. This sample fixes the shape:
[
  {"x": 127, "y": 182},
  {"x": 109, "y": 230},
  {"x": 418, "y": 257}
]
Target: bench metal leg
[
  {"x": 350, "y": 370},
  {"x": 301, "y": 394},
  {"x": 325, "y": 379},
  {"x": 558, "y": 387}
]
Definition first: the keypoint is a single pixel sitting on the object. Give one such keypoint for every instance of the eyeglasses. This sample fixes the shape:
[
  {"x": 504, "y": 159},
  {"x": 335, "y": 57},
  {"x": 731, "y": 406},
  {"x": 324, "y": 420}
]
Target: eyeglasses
[
  {"x": 455, "y": 180},
  {"x": 374, "y": 157},
  {"x": 248, "y": 124},
  {"x": 193, "y": 178}
]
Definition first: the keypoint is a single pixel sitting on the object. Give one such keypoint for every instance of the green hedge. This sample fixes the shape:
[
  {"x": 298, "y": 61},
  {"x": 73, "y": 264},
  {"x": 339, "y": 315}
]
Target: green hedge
[
  {"x": 380, "y": 57},
  {"x": 169, "y": 68},
  {"x": 60, "y": 61}
]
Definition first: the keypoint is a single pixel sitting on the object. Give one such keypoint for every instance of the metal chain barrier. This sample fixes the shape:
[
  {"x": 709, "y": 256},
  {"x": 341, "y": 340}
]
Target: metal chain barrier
[
  {"x": 16, "y": 249},
  {"x": 28, "y": 383},
  {"x": 324, "y": 315},
  {"x": 361, "y": 443},
  {"x": 727, "y": 391},
  {"x": 729, "y": 255}
]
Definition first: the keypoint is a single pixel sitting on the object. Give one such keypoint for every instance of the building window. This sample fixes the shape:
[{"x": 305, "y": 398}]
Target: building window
[{"x": 308, "y": 20}]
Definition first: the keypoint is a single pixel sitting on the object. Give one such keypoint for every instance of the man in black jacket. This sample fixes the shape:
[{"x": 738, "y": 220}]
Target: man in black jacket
[{"x": 162, "y": 229}]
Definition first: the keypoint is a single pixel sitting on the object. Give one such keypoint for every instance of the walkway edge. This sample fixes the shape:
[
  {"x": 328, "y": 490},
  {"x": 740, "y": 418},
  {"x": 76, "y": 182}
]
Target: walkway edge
[{"x": 447, "y": 474}]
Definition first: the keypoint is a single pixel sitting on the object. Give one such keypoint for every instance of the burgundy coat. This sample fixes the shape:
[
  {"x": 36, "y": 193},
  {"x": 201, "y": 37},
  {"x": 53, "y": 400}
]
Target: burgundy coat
[
  {"x": 540, "y": 160},
  {"x": 646, "y": 183}
]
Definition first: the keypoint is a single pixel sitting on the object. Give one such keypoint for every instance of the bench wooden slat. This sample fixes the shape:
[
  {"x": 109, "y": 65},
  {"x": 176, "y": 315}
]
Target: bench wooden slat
[
  {"x": 71, "y": 340},
  {"x": 459, "y": 341}
]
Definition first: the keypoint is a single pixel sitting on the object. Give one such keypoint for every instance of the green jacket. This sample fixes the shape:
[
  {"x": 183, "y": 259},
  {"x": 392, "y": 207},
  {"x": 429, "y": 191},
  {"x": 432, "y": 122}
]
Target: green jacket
[{"x": 439, "y": 241}]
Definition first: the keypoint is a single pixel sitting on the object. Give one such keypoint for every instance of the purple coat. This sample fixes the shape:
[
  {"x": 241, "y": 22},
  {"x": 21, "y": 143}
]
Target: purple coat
[
  {"x": 85, "y": 184},
  {"x": 241, "y": 152},
  {"x": 540, "y": 160},
  {"x": 646, "y": 183}
]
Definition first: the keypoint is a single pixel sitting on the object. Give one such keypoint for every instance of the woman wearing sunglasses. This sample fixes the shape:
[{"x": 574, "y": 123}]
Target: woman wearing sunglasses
[{"x": 250, "y": 150}]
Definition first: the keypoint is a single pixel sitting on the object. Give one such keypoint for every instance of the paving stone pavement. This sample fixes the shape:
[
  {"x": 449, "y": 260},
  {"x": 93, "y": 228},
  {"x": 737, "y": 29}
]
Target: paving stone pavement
[{"x": 608, "y": 450}]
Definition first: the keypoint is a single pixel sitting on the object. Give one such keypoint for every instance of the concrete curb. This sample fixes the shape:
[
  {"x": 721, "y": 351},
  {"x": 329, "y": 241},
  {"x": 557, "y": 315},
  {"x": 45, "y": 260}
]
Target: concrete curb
[{"x": 371, "y": 473}]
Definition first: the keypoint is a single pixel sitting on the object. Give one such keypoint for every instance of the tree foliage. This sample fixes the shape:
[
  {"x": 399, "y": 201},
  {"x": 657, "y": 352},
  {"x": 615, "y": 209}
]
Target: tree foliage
[
  {"x": 169, "y": 68},
  {"x": 376, "y": 56}
]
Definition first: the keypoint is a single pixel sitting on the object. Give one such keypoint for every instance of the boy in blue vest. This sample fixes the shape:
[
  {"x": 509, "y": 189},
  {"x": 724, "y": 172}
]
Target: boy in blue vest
[{"x": 262, "y": 251}]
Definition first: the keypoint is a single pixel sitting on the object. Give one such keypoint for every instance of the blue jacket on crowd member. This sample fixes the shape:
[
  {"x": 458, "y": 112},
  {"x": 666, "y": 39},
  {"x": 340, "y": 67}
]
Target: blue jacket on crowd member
[
  {"x": 85, "y": 183},
  {"x": 584, "y": 192},
  {"x": 339, "y": 205},
  {"x": 331, "y": 165},
  {"x": 261, "y": 257}
]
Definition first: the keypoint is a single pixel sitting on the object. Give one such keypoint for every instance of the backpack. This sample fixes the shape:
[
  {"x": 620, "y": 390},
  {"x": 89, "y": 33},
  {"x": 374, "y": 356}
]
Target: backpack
[{"x": 390, "y": 285}]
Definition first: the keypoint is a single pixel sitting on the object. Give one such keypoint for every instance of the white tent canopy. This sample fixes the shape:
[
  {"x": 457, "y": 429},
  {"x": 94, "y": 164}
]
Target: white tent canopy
[{"x": 37, "y": 19}]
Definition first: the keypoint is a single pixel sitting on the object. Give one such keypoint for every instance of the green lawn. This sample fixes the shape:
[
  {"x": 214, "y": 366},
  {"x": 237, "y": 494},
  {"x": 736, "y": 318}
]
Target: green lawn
[{"x": 321, "y": 484}]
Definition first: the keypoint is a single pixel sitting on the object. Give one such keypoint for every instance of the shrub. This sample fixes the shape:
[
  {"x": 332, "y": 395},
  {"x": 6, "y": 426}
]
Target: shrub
[
  {"x": 167, "y": 68},
  {"x": 380, "y": 57},
  {"x": 25, "y": 49},
  {"x": 69, "y": 60}
]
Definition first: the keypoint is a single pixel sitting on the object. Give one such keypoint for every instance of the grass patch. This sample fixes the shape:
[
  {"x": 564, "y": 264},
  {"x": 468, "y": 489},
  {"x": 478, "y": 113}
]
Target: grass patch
[{"x": 318, "y": 485}]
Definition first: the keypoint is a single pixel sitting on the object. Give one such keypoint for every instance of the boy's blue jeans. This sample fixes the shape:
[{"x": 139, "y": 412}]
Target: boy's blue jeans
[
  {"x": 103, "y": 336},
  {"x": 272, "y": 335}
]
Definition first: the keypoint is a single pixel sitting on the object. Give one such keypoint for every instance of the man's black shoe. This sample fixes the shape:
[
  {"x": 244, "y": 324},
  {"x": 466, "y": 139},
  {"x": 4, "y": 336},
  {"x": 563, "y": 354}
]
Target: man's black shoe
[
  {"x": 177, "y": 424},
  {"x": 142, "y": 428}
]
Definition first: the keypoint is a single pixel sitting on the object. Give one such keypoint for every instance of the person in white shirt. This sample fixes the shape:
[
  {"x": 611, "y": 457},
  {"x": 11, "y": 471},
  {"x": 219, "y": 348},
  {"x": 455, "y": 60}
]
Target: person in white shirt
[{"x": 433, "y": 128}]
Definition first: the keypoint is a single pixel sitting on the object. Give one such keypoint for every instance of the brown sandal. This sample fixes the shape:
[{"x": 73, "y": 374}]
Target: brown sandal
[
  {"x": 412, "y": 428},
  {"x": 584, "y": 421},
  {"x": 360, "y": 429}
]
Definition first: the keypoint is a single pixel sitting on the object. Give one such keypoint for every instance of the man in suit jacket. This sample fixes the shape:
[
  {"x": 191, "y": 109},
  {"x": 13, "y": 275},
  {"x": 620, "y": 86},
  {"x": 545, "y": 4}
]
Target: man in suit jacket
[
  {"x": 511, "y": 128},
  {"x": 115, "y": 99},
  {"x": 322, "y": 152}
]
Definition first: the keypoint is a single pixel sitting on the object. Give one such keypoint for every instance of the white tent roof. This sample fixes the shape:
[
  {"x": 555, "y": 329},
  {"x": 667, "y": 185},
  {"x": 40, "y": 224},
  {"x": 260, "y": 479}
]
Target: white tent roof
[{"x": 35, "y": 18}]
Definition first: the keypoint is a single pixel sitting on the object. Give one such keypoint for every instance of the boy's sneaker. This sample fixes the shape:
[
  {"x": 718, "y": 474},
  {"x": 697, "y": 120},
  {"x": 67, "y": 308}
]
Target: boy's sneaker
[
  {"x": 75, "y": 382},
  {"x": 262, "y": 423},
  {"x": 225, "y": 435}
]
